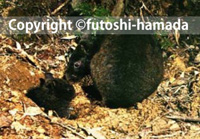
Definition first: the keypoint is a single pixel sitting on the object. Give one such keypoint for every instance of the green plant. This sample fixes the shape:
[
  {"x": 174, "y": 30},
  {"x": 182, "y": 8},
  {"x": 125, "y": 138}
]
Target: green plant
[
  {"x": 100, "y": 11},
  {"x": 87, "y": 9},
  {"x": 164, "y": 41},
  {"x": 3, "y": 5}
]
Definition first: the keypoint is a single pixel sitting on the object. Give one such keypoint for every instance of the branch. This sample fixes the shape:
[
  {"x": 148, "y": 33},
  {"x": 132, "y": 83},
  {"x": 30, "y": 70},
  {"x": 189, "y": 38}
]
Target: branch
[
  {"x": 185, "y": 119},
  {"x": 60, "y": 7}
]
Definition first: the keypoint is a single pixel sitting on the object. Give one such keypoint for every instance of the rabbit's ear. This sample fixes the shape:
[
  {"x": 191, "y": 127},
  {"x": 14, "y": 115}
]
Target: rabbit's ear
[
  {"x": 42, "y": 82},
  {"x": 48, "y": 76}
]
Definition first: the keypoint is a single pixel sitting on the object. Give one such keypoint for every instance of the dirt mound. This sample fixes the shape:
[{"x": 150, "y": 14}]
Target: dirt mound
[
  {"x": 171, "y": 112},
  {"x": 16, "y": 74}
]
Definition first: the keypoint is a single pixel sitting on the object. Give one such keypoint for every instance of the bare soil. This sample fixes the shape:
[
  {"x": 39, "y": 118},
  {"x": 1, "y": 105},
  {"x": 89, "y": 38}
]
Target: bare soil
[{"x": 170, "y": 112}]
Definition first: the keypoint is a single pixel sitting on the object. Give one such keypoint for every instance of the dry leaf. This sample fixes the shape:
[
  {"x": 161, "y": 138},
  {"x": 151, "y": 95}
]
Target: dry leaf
[
  {"x": 95, "y": 132},
  {"x": 90, "y": 137},
  {"x": 177, "y": 36},
  {"x": 178, "y": 82},
  {"x": 4, "y": 121},
  {"x": 68, "y": 37},
  {"x": 41, "y": 130},
  {"x": 174, "y": 127},
  {"x": 197, "y": 59},
  {"x": 27, "y": 46},
  {"x": 61, "y": 58},
  {"x": 32, "y": 111},
  {"x": 17, "y": 126},
  {"x": 18, "y": 45},
  {"x": 13, "y": 112}
]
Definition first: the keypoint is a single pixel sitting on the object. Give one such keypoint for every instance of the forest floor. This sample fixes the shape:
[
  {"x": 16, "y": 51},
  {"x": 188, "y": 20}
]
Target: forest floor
[{"x": 172, "y": 111}]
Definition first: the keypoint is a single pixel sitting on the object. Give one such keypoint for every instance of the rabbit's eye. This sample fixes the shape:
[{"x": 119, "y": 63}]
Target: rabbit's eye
[{"x": 77, "y": 64}]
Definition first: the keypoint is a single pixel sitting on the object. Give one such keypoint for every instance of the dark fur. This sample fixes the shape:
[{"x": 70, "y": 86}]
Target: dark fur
[
  {"x": 87, "y": 47},
  {"x": 125, "y": 68},
  {"x": 53, "y": 94}
]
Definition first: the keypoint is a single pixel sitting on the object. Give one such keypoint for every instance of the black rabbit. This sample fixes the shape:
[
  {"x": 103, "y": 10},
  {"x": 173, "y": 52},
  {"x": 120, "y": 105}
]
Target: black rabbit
[
  {"x": 53, "y": 94},
  {"x": 125, "y": 69}
]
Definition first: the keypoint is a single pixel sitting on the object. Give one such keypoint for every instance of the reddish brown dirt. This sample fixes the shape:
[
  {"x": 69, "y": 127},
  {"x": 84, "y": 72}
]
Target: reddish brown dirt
[
  {"x": 17, "y": 74},
  {"x": 176, "y": 96}
]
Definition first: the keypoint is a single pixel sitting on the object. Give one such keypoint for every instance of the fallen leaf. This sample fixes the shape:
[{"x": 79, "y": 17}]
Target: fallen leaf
[
  {"x": 68, "y": 37},
  {"x": 61, "y": 58},
  {"x": 95, "y": 132},
  {"x": 177, "y": 36},
  {"x": 32, "y": 111},
  {"x": 17, "y": 126},
  {"x": 197, "y": 59},
  {"x": 40, "y": 130},
  {"x": 4, "y": 120},
  {"x": 18, "y": 45},
  {"x": 13, "y": 112}
]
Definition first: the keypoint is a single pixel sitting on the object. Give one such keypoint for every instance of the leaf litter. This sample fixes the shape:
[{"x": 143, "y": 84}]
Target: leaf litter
[{"x": 158, "y": 116}]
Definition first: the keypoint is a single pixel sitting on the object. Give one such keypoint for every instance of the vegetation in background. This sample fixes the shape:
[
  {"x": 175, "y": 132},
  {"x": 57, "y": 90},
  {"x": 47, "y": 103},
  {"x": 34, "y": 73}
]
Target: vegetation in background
[
  {"x": 98, "y": 8},
  {"x": 87, "y": 9},
  {"x": 165, "y": 42}
]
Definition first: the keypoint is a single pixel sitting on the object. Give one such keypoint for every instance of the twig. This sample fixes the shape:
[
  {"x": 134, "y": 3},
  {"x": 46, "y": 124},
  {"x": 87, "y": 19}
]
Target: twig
[
  {"x": 141, "y": 13},
  {"x": 60, "y": 7},
  {"x": 179, "y": 88},
  {"x": 70, "y": 129},
  {"x": 166, "y": 136},
  {"x": 23, "y": 54},
  {"x": 196, "y": 134},
  {"x": 185, "y": 119},
  {"x": 145, "y": 7}
]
